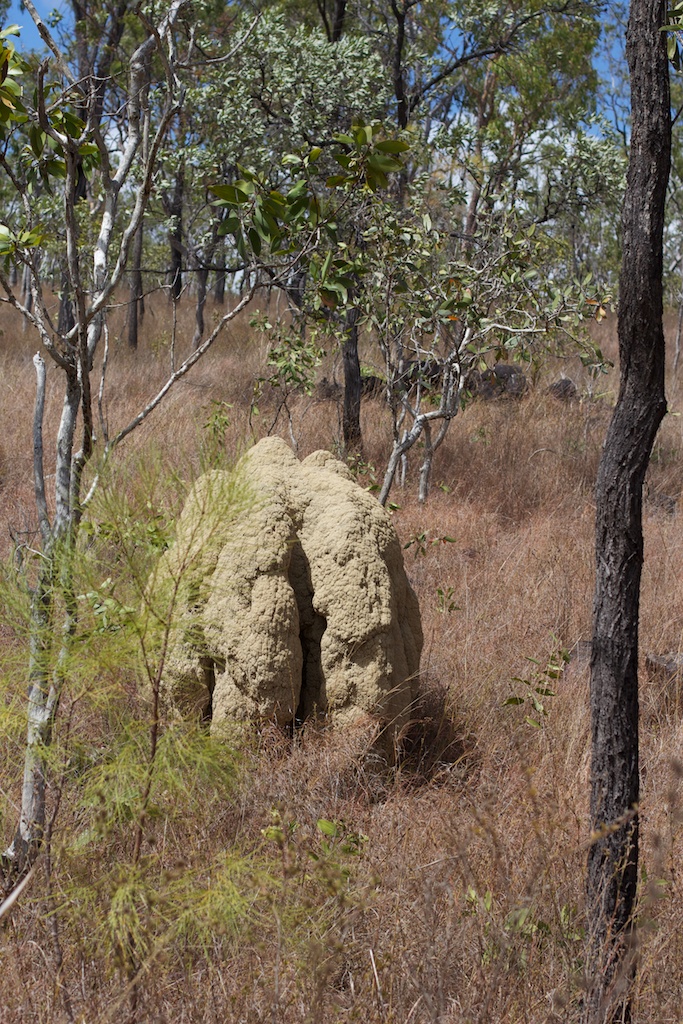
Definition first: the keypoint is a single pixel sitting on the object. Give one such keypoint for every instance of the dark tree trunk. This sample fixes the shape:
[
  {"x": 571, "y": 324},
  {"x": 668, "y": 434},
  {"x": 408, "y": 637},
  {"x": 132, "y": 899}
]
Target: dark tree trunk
[
  {"x": 202, "y": 283},
  {"x": 334, "y": 27},
  {"x": 202, "y": 278},
  {"x": 338, "y": 20},
  {"x": 136, "y": 306},
  {"x": 613, "y": 856},
  {"x": 219, "y": 288},
  {"x": 174, "y": 210},
  {"x": 402, "y": 109},
  {"x": 351, "y": 429},
  {"x": 65, "y": 316}
]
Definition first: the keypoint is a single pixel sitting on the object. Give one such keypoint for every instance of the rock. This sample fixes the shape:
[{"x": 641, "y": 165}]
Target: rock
[
  {"x": 660, "y": 502},
  {"x": 427, "y": 372},
  {"x": 664, "y": 694},
  {"x": 564, "y": 390},
  {"x": 668, "y": 668},
  {"x": 499, "y": 381},
  {"x": 328, "y": 389},
  {"x": 372, "y": 386},
  {"x": 292, "y": 598}
]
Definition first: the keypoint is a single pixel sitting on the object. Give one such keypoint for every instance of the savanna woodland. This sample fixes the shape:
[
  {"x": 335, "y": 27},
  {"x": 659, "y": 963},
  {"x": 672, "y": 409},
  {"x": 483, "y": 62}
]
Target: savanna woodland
[{"x": 440, "y": 240}]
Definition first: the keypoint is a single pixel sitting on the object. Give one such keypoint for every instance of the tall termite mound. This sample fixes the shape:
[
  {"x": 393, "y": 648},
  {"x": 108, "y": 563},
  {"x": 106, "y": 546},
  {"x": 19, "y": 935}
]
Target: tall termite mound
[{"x": 291, "y": 599}]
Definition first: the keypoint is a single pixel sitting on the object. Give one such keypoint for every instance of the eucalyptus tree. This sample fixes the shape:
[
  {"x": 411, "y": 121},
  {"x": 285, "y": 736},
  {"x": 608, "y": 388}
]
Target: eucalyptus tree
[
  {"x": 428, "y": 46},
  {"x": 283, "y": 88},
  {"x": 483, "y": 86},
  {"x": 434, "y": 308}
]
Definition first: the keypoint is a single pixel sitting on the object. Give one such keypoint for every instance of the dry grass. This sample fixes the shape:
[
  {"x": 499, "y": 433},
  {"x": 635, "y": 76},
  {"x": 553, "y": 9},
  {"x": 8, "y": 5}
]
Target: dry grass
[{"x": 464, "y": 902}]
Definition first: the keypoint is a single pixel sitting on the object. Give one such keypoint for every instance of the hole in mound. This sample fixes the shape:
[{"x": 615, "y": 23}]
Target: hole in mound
[
  {"x": 208, "y": 667},
  {"x": 312, "y": 625}
]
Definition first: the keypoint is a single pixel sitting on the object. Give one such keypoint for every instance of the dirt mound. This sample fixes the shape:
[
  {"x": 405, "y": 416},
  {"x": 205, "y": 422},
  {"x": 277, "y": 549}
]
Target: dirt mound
[{"x": 293, "y": 597}]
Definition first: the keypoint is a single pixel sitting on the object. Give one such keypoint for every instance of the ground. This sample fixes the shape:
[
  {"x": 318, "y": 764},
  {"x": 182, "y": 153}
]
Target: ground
[{"x": 330, "y": 889}]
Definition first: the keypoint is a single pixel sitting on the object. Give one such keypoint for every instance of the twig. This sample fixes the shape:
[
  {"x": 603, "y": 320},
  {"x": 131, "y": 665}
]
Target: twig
[{"x": 10, "y": 900}]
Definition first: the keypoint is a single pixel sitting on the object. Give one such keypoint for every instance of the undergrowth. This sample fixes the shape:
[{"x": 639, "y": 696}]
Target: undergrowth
[{"x": 299, "y": 878}]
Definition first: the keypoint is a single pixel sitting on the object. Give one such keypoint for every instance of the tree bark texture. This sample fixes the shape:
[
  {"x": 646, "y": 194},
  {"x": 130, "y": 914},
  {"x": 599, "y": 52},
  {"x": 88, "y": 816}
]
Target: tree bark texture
[
  {"x": 219, "y": 288},
  {"x": 641, "y": 405},
  {"x": 136, "y": 303},
  {"x": 351, "y": 428}
]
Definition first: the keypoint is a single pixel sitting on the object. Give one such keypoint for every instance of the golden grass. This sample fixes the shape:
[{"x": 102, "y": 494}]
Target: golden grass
[{"x": 465, "y": 901}]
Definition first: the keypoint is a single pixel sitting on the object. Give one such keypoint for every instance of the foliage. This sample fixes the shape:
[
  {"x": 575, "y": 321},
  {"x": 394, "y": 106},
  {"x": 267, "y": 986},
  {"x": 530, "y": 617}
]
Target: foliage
[
  {"x": 435, "y": 305},
  {"x": 538, "y": 687},
  {"x": 125, "y": 773},
  {"x": 674, "y": 40}
]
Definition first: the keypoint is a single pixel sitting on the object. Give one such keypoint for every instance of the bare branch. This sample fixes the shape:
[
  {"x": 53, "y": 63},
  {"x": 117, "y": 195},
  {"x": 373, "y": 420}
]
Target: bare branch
[
  {"x": 16, "y": 892},
  {"x": 227, "y": 57},
  {"x": 49, "y": 41},
  {"x": 182, "y": 370},
  {"x": 35, "y": 320},
  {"x": 43, "y": 119}
]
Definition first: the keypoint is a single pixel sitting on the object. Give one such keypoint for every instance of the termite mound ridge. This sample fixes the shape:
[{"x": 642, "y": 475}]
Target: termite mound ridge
[{"x": 290, "y": 598}]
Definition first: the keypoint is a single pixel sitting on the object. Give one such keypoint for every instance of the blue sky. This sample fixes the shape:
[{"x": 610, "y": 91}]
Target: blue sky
[{"x": 29, "y": 36}]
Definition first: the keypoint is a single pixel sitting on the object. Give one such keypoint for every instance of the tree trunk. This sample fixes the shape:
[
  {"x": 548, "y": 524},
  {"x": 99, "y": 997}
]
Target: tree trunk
[
  {"x": 338, "y": 20},
  {"x": 174, "y": 210},
  {"x": 613, "y": 856},
  {"x": 45, "y": 675},
  {"x": 65, "y": 316},
  {"x": 202, "y": 278},
  {"x": 136, "y": 306},
  {"x": 202, "y": 283},
  {"x": 219, "y": 288},
  {"x": 351, "y": 429},
  {"x": 398, "y": 71}
]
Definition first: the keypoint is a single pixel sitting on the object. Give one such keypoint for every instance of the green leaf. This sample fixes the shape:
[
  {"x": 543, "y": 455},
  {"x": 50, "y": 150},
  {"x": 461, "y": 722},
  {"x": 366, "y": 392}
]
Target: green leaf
[
  {"x": 384, "y": 163},
  {"x": 254, "y": 241},
  {"x": 328, "y": 828},
  {"x": 229, "y": 226},
  {"x": 37, "y": 139},
  {"x": 56, "y": 168},
  {"x": 265, "y": 225},
  {"x": 296, "y": 208},
  {"x": 241, "y": 245},
  {"x": 392, "y": 146},
  {"x": 376, "y": 179},
  {"x": 230, "y": 194}
]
